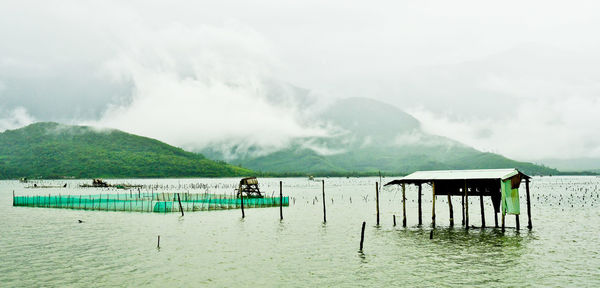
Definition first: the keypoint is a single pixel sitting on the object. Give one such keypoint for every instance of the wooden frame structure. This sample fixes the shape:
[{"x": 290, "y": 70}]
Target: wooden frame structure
[
  {"x": 465, "y": 183},
  {"x": 249, "y": 186}
]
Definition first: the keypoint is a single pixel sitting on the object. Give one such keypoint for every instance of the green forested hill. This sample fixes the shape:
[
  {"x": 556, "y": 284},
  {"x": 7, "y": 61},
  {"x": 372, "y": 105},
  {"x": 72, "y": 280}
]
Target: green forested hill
[
  {"x": 52, "y": 150},
  {"x": 377, "y": 137}
]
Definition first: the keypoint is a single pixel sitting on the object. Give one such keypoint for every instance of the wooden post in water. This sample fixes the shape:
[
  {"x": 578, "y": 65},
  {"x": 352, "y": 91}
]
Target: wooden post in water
[
  {"x": 433, "y": 205},
  {"x": 280, "y": 200},
  {"x": 242, "y": 201},
  {"x": 462, "y": 207},
  {"x": 362, "y": 236},
  {"x": 394, "y": 220},
  {"x": 482, "y": 209},
  {"x": 158, "y": 244},
  {"x": 180, "y": 207},
  {"x": 451, "y": 210},
  {"x": 518, "y": 224},
  {"x": 377, "y": 201},
  {"x": 466, "y": 192},
  {"x": 495, "y": 219},
  {"x": 403, "y": 205},
  {"x": 420, "y": 218},
  {"x": 324, "y": 212},
  {"x": 529, "y": 226},
  {"x": 503, "y": 214}
]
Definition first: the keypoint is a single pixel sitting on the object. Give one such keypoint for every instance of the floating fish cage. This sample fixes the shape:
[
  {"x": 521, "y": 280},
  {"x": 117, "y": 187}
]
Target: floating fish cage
[{"x": 144, "y": 202}]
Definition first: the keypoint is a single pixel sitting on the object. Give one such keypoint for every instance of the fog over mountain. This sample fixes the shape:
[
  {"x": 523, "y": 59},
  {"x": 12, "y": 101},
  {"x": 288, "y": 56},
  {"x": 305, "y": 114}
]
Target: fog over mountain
[{"x": 516, "y": 78}]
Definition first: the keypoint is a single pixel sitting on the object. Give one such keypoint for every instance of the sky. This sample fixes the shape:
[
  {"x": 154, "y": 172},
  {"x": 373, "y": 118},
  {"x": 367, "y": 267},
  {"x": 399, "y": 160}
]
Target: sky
[{"x": 519, "y": 78}]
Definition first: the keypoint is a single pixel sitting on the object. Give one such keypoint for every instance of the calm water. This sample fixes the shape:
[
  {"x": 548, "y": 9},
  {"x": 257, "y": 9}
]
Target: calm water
[{"x": 48, "y": 247}]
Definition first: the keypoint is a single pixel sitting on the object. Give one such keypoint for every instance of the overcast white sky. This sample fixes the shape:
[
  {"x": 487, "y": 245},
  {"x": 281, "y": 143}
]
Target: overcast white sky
[{"x": 520, "y": 78}]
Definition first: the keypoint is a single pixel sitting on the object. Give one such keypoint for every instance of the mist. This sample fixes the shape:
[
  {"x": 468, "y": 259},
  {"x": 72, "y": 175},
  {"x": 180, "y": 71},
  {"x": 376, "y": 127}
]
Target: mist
[{"x": 519, "y": 79}]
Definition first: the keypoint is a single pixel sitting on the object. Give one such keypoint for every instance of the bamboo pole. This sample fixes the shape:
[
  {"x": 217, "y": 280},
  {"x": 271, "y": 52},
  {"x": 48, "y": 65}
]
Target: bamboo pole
[
  {"x": 242, "y": 201},
  {"x": 180, "y": 207},
  {"x": 433, "y": 205},
  {"x": 529, "y": 226},
  {"x": 482, "y": 209},
  {"x": 466, "y": 192},
  {"x": 362, "y": 235},
  {"x": 451, "y": 210},
  {"x": 462, "y": 207},
  {"x": 280, "y": 200},
  {"x": 324, "y": 212},
  {"x": 503, "y": 214},
  {"x": 403, "y": 205},
  {"x": 495, "y": 219},
  {"x": 420, "y": 212},
  {"x": 377, "y": 201}
]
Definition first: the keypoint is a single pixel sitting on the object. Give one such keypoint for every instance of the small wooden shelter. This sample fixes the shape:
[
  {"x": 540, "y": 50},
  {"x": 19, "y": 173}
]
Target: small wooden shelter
[
  {"x": 501, "y": 185},
  {"x": 249, "y": 186}
]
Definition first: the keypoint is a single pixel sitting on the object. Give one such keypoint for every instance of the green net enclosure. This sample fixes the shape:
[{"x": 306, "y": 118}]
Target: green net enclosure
[{"x": 144, "y": 202}]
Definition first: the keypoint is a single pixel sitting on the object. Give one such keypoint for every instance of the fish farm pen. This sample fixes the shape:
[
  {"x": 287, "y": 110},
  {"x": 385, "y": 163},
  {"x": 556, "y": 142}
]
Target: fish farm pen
[{"x": 149, "y": 202}]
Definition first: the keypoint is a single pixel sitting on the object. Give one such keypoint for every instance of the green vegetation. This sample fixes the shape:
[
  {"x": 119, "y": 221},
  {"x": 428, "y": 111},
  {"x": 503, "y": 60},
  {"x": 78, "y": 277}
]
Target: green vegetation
[
  {"x": 52, "y": 150},
  {"x": 376, "y": 137}
]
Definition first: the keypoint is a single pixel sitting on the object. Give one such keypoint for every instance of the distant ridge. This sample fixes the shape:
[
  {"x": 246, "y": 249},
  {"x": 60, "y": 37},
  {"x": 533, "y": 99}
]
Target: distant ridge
[
  {"x": 377, "y": 137},
  {"x": 52, "y": 150}
]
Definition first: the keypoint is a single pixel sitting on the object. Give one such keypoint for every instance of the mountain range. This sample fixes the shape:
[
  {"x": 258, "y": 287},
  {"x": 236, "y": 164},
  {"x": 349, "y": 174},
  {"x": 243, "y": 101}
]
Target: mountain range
[
  {"x": 52, "y": 150},
  {"x": 366, "y": 137},
  {"x": 370, "y": 136}
]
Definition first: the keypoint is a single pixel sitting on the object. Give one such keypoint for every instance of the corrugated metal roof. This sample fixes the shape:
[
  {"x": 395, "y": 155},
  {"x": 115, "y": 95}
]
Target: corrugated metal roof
[{"x": 460, "y": 175}]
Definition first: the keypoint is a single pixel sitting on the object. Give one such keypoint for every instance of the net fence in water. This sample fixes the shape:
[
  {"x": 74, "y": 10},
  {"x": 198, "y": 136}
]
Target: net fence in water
[{"x": 144, "y": 202}]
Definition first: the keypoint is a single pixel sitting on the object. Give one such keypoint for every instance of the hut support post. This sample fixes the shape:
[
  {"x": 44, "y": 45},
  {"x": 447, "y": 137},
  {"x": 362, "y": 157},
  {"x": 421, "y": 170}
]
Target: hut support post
[
  {"x": 451, "y": 210},
  {"x": 462, "y": 204},
  {"x": 482, "y": 209},
  {"x": 466, "y": 205},
  {"x": 420, "y": 212},
  {"x": 403, "y": 205},
  {"x": 503, "y": 220},
  {"x": 529, "y": 226},
  {"x": 495, "y": 219},
  {"x": 433, "y": 205},
  {"x": 518, "y": 224}
]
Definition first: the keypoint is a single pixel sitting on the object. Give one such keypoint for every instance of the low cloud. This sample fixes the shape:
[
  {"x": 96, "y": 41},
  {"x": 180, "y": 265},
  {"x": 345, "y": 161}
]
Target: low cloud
[
  {"x": 194, "y": 86},
  {"x": 14, "y": 119},
  {"x": 533, "y": 130}
]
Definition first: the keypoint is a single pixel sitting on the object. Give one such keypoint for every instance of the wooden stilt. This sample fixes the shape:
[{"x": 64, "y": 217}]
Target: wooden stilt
[
  {"x": 433, "y": 205},
  {"x": 403, "y": 205},
  {"x": 482, "y": 209},
  {"x": 280, "y": 200},
  {"x": 377, "y": 201},
  {"x": 529, "y": 226},
  {"x": 394, "y": 220},
  {"x": 451, "y": 210},
  {"x": 466, "y": 192},
  {"x": 503, "y": 215},
  {"x": 495, "y": 219},
  {"x": 462, "y": 204},
  {"x": 518, "y": 224},
  {"x": 420, "y": 212}
]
